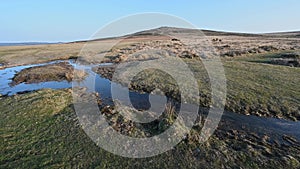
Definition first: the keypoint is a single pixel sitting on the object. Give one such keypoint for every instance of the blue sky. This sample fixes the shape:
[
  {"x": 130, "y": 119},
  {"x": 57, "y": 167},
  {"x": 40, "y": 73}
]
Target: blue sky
[{"x": 58, "y": 20}]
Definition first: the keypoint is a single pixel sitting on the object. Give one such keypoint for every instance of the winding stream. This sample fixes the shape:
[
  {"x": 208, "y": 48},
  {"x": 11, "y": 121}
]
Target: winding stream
[{"x": 260, "y": 125}]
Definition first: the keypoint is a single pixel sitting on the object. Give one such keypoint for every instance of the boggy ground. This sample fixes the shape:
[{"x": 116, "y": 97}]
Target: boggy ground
[
  {"x": 258, "y": 79},
  {"x": 48, "y": 134},
  {"x": 258, "y": 84},
  {"x": 253, "y": 87}
]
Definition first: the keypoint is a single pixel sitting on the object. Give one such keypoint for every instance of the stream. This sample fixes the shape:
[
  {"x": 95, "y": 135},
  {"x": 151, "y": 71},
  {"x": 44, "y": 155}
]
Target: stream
[{"x": 273, "y": 127}]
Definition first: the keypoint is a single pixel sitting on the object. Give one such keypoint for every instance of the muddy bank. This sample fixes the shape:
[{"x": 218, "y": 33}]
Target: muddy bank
[{"x": 52, "y": 72}]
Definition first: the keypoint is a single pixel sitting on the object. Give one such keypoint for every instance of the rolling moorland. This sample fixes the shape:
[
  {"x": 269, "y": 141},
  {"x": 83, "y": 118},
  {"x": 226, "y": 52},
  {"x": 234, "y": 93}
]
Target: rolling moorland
[{"x": 259, "y": 128}]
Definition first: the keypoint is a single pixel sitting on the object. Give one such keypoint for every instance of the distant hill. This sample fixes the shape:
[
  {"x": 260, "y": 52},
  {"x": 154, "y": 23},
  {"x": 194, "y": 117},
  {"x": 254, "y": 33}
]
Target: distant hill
[
  {"x": 162, "y": 30},
  {"x": 294, "y": 34},
  {"x": 191, "y": 32},
  {"x": 157, "y": 31}
]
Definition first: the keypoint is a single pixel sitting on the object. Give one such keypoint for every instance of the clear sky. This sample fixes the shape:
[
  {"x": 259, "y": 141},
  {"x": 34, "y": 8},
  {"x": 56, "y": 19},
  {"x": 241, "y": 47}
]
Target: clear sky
[{"x": 69, "y": 20}]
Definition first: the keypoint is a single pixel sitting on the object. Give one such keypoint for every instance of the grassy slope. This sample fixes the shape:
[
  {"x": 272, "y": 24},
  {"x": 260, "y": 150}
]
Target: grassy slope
[{"x": 264, "y": 87}]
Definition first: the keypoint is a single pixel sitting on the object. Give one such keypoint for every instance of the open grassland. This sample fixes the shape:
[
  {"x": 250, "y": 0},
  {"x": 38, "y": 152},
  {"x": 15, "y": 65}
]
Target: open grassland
[{"x": 23, "y": 55}]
